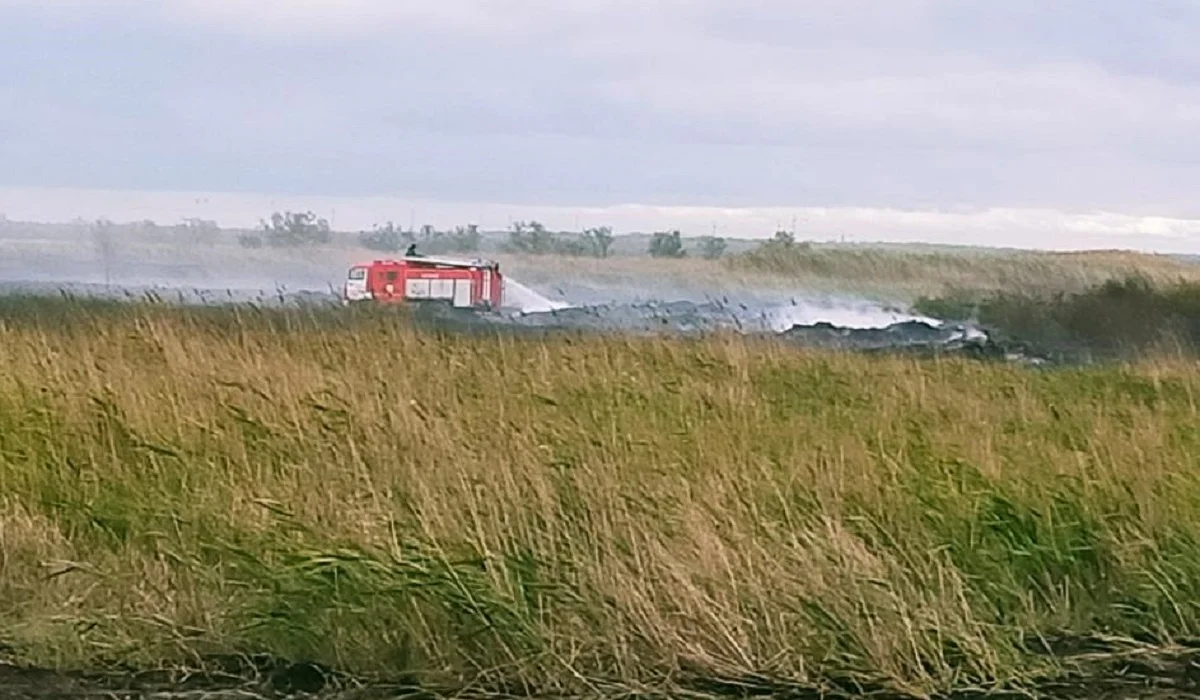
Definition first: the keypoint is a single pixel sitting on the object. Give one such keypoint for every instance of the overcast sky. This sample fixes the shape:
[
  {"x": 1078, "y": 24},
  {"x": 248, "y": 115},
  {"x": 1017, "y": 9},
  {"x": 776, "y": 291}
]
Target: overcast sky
[{"x": 1073, "y": 106}]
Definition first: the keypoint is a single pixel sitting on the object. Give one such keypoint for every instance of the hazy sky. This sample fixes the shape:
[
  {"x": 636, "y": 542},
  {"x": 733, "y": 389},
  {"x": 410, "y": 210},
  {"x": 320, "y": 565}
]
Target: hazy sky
[{"x": 1073, "y": 106}]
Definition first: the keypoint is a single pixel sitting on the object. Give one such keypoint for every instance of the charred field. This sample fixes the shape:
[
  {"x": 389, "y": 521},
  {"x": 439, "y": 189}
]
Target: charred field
[{"x": 414, "y": 510}]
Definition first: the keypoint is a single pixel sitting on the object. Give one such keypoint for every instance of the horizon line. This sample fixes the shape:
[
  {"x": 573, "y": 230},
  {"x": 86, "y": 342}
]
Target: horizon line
[{"x": 1020, "y": 228}]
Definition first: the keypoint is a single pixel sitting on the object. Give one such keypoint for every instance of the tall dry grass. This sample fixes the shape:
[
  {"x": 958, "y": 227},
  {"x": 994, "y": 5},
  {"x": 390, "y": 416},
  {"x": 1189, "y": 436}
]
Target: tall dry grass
[
  {"x": 906, "y": 274},
  {"x": 1118, "y": 319},
  {"x": 562, "y": 513}
]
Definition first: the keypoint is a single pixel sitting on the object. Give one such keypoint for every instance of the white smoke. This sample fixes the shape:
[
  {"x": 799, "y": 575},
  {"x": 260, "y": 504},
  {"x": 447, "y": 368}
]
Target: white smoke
[
  {"x": 518, "y": 296},
  {"x": 970, "y": 333},
  {"x": 841, "y": 314}
]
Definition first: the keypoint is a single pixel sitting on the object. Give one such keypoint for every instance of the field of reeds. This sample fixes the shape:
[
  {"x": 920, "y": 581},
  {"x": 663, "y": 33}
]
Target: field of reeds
[
  {"x": 577, "y": 515},
  {"x": 1119, "y": 319},
  {"x": 904, "y": 275},
  {"x": 889, "y": 275}
]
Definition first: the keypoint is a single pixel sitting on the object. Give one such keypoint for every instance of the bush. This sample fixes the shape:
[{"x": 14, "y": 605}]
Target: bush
[
  {"x": 1118, "y": 317},
  {"x": 712, "y": 247},
  {"x": 532, "y": 238},
  {"x": 667, "y": 244},
  {"x": 288, "y": 230},
  {"x": 387, "y": 238}
]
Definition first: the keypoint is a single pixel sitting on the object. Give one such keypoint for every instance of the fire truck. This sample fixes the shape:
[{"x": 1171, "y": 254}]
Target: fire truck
[{"x": 474, "y": 284}]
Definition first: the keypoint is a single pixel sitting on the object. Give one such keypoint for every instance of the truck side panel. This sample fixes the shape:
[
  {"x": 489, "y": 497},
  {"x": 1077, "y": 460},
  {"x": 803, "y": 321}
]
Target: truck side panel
[
  {"x": 463, "y": 292},
  {"x": 463, "y": 285}
]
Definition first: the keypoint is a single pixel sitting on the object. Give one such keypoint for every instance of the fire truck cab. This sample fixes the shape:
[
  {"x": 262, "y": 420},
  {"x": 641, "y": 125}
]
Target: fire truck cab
[{"x": 474, "y": 284}]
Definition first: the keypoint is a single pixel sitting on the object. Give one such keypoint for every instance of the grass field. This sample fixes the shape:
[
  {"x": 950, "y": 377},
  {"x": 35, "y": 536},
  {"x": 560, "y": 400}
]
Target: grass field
[
  {"x": 906, "y": 275},
  {"x": 558, "y": 515},
  {"x": 890, "y": 275}
]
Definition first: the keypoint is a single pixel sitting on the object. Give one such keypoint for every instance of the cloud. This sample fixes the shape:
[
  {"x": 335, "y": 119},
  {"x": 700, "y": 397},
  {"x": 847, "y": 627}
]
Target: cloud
[
  {"x": 1074, "y": 105},
  {"x": 305, "y": 18}
]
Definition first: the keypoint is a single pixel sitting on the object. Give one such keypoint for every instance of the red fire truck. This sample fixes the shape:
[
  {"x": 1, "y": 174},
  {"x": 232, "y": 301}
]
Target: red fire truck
[{"x": 474, "y": 284}]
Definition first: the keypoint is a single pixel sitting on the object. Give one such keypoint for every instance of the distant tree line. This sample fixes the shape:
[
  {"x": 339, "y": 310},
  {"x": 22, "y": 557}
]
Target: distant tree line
[
  {"x": 669, "y": 244},
  {"x": 783, "y": 241},
  {"x": 532, "y": 238},
  {"x": 524, "y": 237},
  {"x": 291, "y": 229},
  {"x": 389, "y": 238}
]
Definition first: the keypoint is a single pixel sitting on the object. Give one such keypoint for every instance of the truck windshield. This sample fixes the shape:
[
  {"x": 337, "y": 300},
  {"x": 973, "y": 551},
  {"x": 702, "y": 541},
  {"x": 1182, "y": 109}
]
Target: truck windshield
[{"x": 358, "y": 273}]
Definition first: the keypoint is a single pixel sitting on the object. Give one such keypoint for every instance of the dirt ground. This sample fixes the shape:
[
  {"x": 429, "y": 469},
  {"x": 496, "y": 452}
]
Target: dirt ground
[
  {"x": 1100, "y": 672},
  {"x": 287, "y": 681}
]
